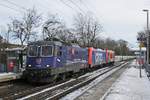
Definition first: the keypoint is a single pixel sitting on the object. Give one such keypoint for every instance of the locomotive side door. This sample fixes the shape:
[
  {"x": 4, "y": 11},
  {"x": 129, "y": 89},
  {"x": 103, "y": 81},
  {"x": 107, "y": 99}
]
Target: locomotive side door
[{"x": 59, "y": 58}]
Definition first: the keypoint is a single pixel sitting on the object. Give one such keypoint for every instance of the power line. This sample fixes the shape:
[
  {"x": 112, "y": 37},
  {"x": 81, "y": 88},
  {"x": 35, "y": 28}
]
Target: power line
[
  {"x": 53, "y": 7},
  {"x": 43, "y": 6},
  {"x": 10, "y": 2},
  {"x": 46, "y": 7},
  {"x": 69, "y": 6},
  {"x": 3, "y": 5},
  {"x": 92, "y": 10},
  {"x": 85, "y": 5},
  {"x": 77, "y": 6}
]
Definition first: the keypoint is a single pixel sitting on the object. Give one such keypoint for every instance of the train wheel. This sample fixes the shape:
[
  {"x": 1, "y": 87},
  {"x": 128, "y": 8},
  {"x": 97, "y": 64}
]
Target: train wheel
[
  {"x": 54, "y": 79},
  {"x": 83, "y": 71},
  {"x": 63, "y": 77}
]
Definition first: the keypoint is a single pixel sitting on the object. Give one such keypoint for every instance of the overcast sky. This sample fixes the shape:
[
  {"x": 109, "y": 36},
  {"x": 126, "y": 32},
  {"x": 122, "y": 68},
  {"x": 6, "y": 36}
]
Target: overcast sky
[{"x": 121, "y": 19}]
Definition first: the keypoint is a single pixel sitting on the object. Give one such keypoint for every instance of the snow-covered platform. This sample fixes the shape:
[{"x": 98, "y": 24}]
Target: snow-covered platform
[
  {"x": 9, "y": 76},
  {"x": 130, "y": 86}
]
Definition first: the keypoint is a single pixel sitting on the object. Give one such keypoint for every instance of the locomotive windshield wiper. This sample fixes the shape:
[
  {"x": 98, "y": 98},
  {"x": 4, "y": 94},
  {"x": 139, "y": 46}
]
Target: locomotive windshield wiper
[{"x": 39, "y": 51}]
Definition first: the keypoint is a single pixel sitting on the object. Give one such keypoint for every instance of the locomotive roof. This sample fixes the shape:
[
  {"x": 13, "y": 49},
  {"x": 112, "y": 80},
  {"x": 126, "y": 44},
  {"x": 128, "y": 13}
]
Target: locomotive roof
[{"x": 45, "y": 43}]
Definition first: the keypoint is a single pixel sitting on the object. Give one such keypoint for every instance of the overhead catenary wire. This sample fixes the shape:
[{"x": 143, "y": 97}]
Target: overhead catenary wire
[
  {"x": 16, "y": 5},
  {"x": 69, "y": 6},
  {"x": 53, "y": 7},
  {"x": 77, "y": 6},
  {"x": 86, "y": 7},
  {"x": 84, "y": 4},
  {"x": 6, "y": 6},
  {"x": 42, "y": 5},
  {"x": 91, "y": 9}
]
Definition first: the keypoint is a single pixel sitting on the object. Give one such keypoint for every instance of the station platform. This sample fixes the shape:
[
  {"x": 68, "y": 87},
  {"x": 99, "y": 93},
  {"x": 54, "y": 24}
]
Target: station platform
[
  {"x": 130, "y": 86},
  {"x": 9, "y": 76}
]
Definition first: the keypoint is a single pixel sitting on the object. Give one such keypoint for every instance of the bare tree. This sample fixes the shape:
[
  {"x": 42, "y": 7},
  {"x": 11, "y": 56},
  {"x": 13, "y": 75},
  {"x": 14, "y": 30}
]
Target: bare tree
[
  {"x": 99, "y": 43},
  {"x": 68, "y": 36},
  {"x": 3, "y": 33},
  {"x": 8, "y": 33},
  {"x": 32, "y": 20},
  {"x": 141, "y": 36},
  {"x": 64, "y": 35},
  {"x": 80, "y": 24},
  {"x": 55, "y": 29},
  {"x": 24, "y": 27},
  {"x": 110, "y": 44},
  {"x": 122, "y": 44},
  {"x": 87, "y": 28},
  {"x": 120, "y": 47},
  {"x": 52, "y": 27},
  {"x": 1, "y": 39}
]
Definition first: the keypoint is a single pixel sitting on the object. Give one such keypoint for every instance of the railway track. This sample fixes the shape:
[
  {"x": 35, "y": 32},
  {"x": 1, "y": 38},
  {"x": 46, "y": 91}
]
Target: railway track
[
  {"x": 14, "y": 94},
  {"x": 84, "y": 83},
  {"x": 17, "y": 89},
  {"x": 23, "y": 91},
  {"x": 13, "y": 87},
  {"x": 58, "y": 91}
]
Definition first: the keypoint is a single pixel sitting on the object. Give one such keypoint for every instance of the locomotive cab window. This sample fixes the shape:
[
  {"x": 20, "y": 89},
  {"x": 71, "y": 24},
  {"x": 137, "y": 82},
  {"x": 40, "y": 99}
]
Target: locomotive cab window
[
  {"x": 59, "y": 51},
  {"x": 46, "y": 50},
  {"x": 32, "y": 51}
]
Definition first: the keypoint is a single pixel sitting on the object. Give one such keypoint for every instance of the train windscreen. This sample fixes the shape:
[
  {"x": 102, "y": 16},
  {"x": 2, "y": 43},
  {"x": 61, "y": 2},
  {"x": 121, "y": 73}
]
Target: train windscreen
[
  {"x": 46, "y": 50},
  {"x": 32, "y": 50}
]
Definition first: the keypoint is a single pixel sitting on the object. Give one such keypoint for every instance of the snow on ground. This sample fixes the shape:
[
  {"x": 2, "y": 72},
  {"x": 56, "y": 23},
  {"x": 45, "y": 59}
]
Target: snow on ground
[
  {"x": 130, "y": 86},
  {"x": 4, "y": 74},
  {"x": 82, "y": 90},
  {"x": 9, "y": 76},
  {"x": 134, "y": 63},
  {"x": 88, "y": 74}
]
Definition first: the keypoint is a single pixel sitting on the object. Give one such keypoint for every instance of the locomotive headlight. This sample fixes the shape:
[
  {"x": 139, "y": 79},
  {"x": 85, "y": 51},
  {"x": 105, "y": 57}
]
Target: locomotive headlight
[
  {"x": 29, "y": 65},
  {"x": 47, "y": 65}
]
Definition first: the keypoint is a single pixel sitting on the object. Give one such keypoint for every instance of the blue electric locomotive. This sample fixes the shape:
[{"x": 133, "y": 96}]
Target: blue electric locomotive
[{"x": 47, "y": 60}]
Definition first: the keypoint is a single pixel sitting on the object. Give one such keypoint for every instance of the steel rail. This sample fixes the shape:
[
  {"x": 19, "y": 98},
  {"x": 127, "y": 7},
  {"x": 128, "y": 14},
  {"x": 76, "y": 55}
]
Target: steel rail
[{"x": 71, "y": 83}]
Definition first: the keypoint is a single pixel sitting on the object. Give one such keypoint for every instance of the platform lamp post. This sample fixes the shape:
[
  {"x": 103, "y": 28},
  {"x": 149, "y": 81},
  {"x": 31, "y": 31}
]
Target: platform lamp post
[
  {"x": 140, "y": 58},
  {"x": 147, "y": 11}
]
